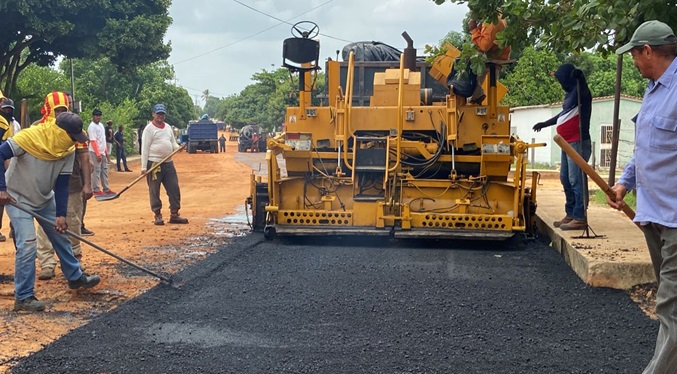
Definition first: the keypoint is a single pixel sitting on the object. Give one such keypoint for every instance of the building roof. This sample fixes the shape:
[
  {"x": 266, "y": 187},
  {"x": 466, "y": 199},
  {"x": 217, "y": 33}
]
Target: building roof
[{"x": 595, "y": 99}]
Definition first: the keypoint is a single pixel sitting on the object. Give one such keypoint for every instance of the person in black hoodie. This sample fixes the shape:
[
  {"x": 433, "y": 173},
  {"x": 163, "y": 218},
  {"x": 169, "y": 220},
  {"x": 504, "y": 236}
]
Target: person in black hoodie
[{"x": 573, "y": 124}]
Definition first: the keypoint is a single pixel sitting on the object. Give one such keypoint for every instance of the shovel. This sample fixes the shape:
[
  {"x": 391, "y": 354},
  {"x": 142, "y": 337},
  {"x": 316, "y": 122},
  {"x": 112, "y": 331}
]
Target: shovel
[
  {"x": 125, "y": 188},
  {"x": 43, "y": 220}
]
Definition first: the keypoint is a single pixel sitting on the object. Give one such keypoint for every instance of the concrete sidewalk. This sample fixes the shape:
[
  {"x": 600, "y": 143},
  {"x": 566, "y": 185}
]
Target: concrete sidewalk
[{"x": 617, "y": 259}]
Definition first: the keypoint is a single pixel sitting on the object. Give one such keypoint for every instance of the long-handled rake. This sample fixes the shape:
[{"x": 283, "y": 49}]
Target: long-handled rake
[
  {"x": 135, "y": 181},
  {"x": 176, "y": 283}
]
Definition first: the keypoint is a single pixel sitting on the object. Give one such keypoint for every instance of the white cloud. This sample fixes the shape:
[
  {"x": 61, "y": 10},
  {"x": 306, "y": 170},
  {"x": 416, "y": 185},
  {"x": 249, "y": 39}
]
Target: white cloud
[{"x": 219, "y": 44}]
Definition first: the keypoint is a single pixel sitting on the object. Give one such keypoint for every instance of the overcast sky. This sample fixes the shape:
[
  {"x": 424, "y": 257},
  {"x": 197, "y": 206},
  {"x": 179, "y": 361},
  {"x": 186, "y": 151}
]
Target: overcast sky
[{"x": 219, "y": 44}]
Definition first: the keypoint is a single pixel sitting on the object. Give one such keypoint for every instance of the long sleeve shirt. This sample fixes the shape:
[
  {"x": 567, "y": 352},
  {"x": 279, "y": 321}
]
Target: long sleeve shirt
[
  {"x": 652, "y": 171},
  {"x": 97, "y": 135},
  {"x": 157, "y": 144},
  {"x": 119, "y": 138}
]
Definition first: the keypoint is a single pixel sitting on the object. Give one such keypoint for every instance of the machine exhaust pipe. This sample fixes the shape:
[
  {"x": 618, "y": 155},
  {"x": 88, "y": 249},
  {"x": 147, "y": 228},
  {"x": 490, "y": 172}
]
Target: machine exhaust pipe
[{"x": 409, "y": 53}]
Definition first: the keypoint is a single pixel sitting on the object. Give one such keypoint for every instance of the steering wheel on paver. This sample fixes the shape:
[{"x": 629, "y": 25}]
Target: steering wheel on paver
[{"x": 298, "y": 32}]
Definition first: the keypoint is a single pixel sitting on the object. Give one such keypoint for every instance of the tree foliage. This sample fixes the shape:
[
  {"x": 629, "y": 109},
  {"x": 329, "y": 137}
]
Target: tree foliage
[
  {"x": 129, "y": 32},
  {"x": 531, "y": 81},
  {"x": 123, "y": 114},
  {"x": 600, "y": 71},
  {"x": 98, "y": 82},
  {"x": 34, "y": 84},
  {"x": 264, "y": 102},
  {"x": 571, "y": 25}
]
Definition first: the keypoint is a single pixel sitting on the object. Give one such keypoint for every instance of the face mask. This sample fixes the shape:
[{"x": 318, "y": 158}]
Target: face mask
[{"x": 7, "y": 114}]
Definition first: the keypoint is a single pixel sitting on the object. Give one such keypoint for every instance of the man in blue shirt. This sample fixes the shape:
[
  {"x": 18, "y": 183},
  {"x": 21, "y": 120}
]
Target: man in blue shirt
[
  {"x": 119, "y": 138},
  {"x": 652, "y": 172}
]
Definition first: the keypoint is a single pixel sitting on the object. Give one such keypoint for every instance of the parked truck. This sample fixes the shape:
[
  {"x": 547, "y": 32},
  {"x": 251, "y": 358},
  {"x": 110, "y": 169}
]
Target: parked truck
[
  {"x": 253, "y": 138},
  {"x": 203, "y": 135}
]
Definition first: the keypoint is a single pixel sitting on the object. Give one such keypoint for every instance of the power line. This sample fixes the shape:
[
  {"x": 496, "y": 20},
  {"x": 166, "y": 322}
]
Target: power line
[
  {"x": 290, "y": 24},
  {"x": 201, "y": 91},
  {"x": 253, "y": 35}
]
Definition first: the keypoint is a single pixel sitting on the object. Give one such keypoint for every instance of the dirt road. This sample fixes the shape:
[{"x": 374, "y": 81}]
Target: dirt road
[{"x": 212, "y": 187}]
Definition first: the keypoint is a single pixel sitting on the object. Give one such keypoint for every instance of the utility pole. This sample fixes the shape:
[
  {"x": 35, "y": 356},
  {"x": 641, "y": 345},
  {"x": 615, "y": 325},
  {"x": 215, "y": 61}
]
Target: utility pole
[
  {"x": 616, "y": 125},
  {"x": 70, "y": 60}
]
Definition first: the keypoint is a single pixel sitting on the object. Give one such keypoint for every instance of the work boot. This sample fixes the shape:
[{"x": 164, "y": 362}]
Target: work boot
[
  {"x": 46, "y": 273},
  {"x": 85, "y": 281},
  {"x": 176, "y": 218},
  {"x": 574, "y": 225},
  {"x": 30, "y": 304},
  {"x": 564, "y": 220},
  {"x": 158, "y": 219}
]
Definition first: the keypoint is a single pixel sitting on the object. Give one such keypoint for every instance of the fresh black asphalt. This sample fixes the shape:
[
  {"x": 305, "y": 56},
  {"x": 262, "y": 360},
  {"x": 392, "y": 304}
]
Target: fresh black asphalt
[{"x": 364, "y": 307}]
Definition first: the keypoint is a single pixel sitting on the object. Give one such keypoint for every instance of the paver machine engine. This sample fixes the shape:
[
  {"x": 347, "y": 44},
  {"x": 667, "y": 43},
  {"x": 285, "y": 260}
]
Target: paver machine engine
[{"x": 400, "y": 162}]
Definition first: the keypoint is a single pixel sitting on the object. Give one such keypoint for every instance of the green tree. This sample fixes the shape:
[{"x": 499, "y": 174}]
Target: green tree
[
  {"x": 205, "y": 96},
  {"x": 456, "y": 38},
  {"x": 129, "y": 32},
  {"x": 176, "y": 99},
  {"x": 530, "y": 82},
  {"x": 211, "y": 106},
  {"x": 97, "y": 82},
  {"x": 35, "y": 83},
  {"x": 571, "y": 25},
  {"x": 600, "y": 71},
  {"x": 123, "y": 114},
  {"x": 263, "y": 102}
]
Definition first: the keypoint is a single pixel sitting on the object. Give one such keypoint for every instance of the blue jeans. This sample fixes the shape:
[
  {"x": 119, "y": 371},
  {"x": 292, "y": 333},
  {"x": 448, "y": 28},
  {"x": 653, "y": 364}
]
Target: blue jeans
[
  {"x": 120, "y": 155},
  {"x": 572, "y": 180},
  {"x": 26, "y": 248}
]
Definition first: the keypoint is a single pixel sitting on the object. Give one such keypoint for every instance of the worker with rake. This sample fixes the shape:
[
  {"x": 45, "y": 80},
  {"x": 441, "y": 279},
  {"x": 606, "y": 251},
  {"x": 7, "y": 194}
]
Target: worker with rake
[{"x": 37, "y": 181}]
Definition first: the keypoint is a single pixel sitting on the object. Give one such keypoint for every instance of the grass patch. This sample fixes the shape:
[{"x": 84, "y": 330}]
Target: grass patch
[
  {"x": 536, "y": 166},
  {"x": 599, "y": 197}
]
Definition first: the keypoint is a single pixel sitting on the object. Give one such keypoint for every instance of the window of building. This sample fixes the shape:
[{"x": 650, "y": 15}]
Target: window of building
[
  {"x": 605, "y": 159},
  {"x": 606, "y": 135}
]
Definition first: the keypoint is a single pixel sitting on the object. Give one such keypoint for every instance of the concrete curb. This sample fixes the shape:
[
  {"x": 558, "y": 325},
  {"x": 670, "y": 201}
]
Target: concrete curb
[{"x": 596, "y": 273}]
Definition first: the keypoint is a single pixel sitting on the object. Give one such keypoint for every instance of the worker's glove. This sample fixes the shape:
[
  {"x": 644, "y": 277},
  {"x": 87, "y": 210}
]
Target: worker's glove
[
  {"x": 577, "y": 74},
  {"x": 537, "y": 127}
]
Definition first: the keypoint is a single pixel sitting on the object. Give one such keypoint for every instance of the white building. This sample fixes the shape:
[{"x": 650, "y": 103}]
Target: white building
[{"x": 524, "y": 118}]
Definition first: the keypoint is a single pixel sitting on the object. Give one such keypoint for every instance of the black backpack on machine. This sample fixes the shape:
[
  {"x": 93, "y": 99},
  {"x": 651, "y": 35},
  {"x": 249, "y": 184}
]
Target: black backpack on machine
[{"x": 463, "y": 81}]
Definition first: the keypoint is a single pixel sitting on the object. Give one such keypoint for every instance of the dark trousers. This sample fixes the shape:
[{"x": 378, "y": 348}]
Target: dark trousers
[
  {"x": 165, "y": 175},
  {"x": 120, "y": 155},
  {"x": 222, "y": 147}
]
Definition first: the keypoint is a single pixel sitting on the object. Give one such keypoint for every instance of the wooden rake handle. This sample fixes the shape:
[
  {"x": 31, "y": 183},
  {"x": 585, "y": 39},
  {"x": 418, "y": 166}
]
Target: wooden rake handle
[
  {"x": 135, "y": 181},
  {"x": 587, "y": 169}
]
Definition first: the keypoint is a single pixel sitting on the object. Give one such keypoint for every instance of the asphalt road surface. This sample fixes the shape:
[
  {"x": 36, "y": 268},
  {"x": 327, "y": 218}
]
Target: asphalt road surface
[{"x": 361, "y": 307}]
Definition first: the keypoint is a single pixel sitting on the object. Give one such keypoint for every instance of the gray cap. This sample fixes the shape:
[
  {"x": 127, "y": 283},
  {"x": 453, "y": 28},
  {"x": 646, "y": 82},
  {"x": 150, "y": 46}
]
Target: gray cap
[
  {"x": 7, "y": 103},
  {"x": 72, "y": 124},
  {"x": 649, "y": 33}
]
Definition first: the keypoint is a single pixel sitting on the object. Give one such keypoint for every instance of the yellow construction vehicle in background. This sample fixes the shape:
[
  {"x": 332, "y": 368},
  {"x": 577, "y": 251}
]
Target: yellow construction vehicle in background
[{"x": 403, "y": 161}]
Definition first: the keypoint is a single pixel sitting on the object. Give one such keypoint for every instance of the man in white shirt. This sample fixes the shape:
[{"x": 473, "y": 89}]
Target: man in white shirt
[
  {"x": 158, "y": 143},
  {"x": 98, "y": 153}
]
